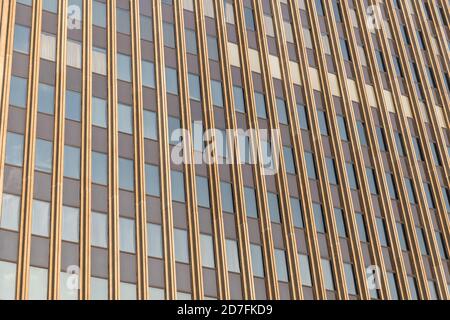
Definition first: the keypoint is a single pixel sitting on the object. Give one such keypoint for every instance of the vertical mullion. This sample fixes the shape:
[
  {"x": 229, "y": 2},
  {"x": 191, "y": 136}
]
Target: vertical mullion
[
  {"x": 213, "y": 171},
  {"x": 113, "y": 179},
  {"x": 281, "y": 175},
  {"x": 237, "y": 175},
  {"x": 166, "y": 196},
  {"x": 139, "y": 155},
  {"x": 86, "y": 156},
  {"x": 23, "y": 261},
  {"x": 261, "y": 190},
  {"x": 189, "y": 166}
]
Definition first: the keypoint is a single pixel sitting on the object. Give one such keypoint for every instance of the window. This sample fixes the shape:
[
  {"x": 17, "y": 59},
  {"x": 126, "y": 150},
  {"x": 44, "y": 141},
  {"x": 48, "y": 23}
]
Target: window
[
  {"x": 250, "y": 203},
  {"x": 289, "y": 160},
  {"x": 282, "y": 114},
  {"x": 305, "y": 271},
  {"x": 213, "y": 50},
  {"x": 280, "y": 261},
  {"x": 413, "y": 288},
  {"x": 146, "y": 28},
  {"x": 392, "y": 285},
  {"x": 322, "y": 123},
  {"x": 43, "y": 155},
  {"x": 127, "y": 235},
  {"x": 150, "y": 125},
  {"x": 302, "y": 117},
  {"x": 216, "y": 91},
  {"x": 226, "y": 194},
  {"x": 194, "y": 87},
  {"x": 123, "y": 21},
  {"x": 342, "y": 128},
  {"x": 7, "y": 280},
  {"x": 441, "y": 245},
  {"x": 239, "y": 102},
  {"x": 297, "y": 215},
  {"x": 46, "y": 100},
  {"x": 232, "y": 256},
  {"x": 152, "y": 180},
  {"x": 327, "y": 274},
  {"x": 350, "y": 279},
  {"x": 21, "y": 39},
  {"x": 18, "y": 92},
  {"x": 14, "y": 149},
  {"x": 381, "y": 139},
  {"x": 174, "y": 134},
  {"x": 372, "y": 182},
  {"x": 352, "y": 180},
  {"x": 429, "y": 194},
  {"x": 154, "y": 241},
  {"x": 40, "y": 223},
  {"x": 274, "y": 207},
  {"x": 310, "y": 166},
  {"x": 181, "y": 246},
  {"x": 249, "y": 20},
  {"x": 99, "y": 61},
  {"x": 99, "y": 230},
  {"x": 391, "y": 185},
  {"x": 172, "y": 81},
  {"x": 99, "y": 112},
  {"x": 73, "y": 105},
  {"x": 260, "y": 102},
  {"x": 318, "y": 218},
  {"x": 127, "y": 291},
  {"x": 123, "y": 67},
  {"x": 125, "y": 119},
  {"x": 401, "y": 236},
  {"x": 257, "y": 260},
  {"x": 126, "y": 174},
  {"x": 382, "y": 232},
  {"x": 99, "y": 12},
  {"x": 410, "y": 189},
  {"x": 361, "y": 227},
  {"x": 422, "y": 243},
  {"x": 99, "y": 168},
  {"x": 207, "y": 249},
  {"x": 361, "y": 133},
  {"x": 331, "y": 169},
  {"x": 399, "y": 143},
  {"x": 70, "y": 224},
  {"x": 340, "y": 222},
  {"x": 48, "y": 47},
  {"x": 418, "y": 148},
  {"x": 202, "y": 192},
  {"x": 74, "y": 54},
  {"x": 177, "y": 182},
  {"x": 148, "y": 74},
  {"x": 345, "y": 50},
  {"x": 50, "y": 6},
  {"x": 72, "y": 162},
  {"x": 191, "y": 41},
  {"x": 38, "y": 279},
  {"x": 169, "y": 35},
  {"x": 99, "y": 289},
  {"x": 10, "y": 214}
]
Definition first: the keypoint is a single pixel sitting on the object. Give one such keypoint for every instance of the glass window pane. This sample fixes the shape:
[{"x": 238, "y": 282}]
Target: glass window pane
[
  {"x": 296, "y": 207},
  {"x": 70, "y": 224},
  {"x": 328, "y": 275},
  {"x": 257, "y": 261},
  {"x": 250, "y": 203},
  {"x": 226, "y": 197},
  {"x": 125, "y": 119},
  {"x": 150, "y": 125},
  {"x": 40, "y": 223},
  {"x": 21, "y": 39},
  {"x": 232, "y": 256},
  {"x": 14, "y": 149},
  {"x": 123, "y": 67},
  {"x": 46, "y": 99},
  {"x": 152, "y": 181},
  {"x": 177, "y": 182},
  {"x": 181, "y": 246},
  {"x": 127, "y": 232},
  {"x": 10, "y": 214},
  {"x": 148, "y": 74},
  {"x": 274, "y": 207},
  {"x": 305, "y": 271},
  {"x": 72, "y": 162},
  {"x": 154, "y": 240},
  {"x": 126, "y": 174},
  {"x": 99, "y": 168},
  {"x": 280, "y": 261},
  {"x": 99, "y": 230},
  {"x": 207, "y": 249},
  {"x": 73, "y": 105},
  {"x": 43, "y": 155},
  {"x": 18, "y": 92}
]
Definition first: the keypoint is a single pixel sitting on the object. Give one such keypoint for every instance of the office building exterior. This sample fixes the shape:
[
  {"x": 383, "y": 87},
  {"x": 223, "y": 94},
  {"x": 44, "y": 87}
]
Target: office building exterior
[{"x": 327, "y": 174}]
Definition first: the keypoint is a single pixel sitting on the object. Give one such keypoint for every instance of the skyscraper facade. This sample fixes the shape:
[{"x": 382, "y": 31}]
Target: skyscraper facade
[{"x": 224, "y": 149}]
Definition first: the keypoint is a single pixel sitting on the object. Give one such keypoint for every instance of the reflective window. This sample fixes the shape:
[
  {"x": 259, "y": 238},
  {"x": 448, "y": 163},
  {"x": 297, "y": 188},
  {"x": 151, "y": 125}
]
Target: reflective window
[
  {"x": 202, "y": 192},
  {"x": 46, "y": 100},
  {"x": 99, "y": 112},
  {"x": 260, "y": 102},
  {"x": 43, "y": 155},
  {"x": 323, "y": 123},
  {"x": 353, "y": 182},
  {"x": 331, "y": 169},
  {"x": 181, "y": 246},
  {"x": 342, "y": 128},
  {"x": 382, "y": 232},
  {"x": 150, "y": 125},
  {"x": 70, "y": 224},
  {"x": 274, "y": 207},
  {"x": 126, "y": 174},
  {"x": 10, "y": 214},
  {"x": 280, "y": 261},
  {"x": 239, "y": 102},
  {"x": 297, "y": 215},
  {"x": 194, "y": 87},
  {"x": 340, "y": 222},
  {"x": 72, "y": 162},
  {"x": 21, "y": 39},
  {"x": 372, "y": 182},
  {"x": 305, "y": 270},
  {"x": 207, "y": 249},
  {"x": 99, "y": 230},
  {"x": 7, "y": 280},
  {"x": 18, "y": 92},
  {"x": 148, "y": 74},
  {"x": 361, "y": 227},
  {"x": 99, "y": 12},
  {"x": 99, "y": 168},
  {"x": 282, "y": 114},
  {"x": 250, "y": 202},
  {"x": 232, "y": 256},
  {"x": 392, "y": 285},
  {"x": 127, "y": 232},
  {"x": 14, "y": 149},
  {"x": 289, "y": 160},
  {"x": 73, "y": 105},
  {"x": 123, "y": 21},
  {"x": 302, "y": 117},
  {"x": 152, "y": 181},
  {"x": 125, "y": 119},
  {"x": 350, "y": 279},
  {"x": 226, "y": 194},
  {"x": 216, "y": 91},
  {"x": 177, "y": 179},
  {"x": 154, "y": 240},
  {"x": 40, "y": 223},
  {"x": 318, "y": 218},
  {"x": 257, "y": 260},
  {"x": 123, "y": 67},
  {"x": 327, "y": 274},
  {"x": 310, "y": 165}
]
